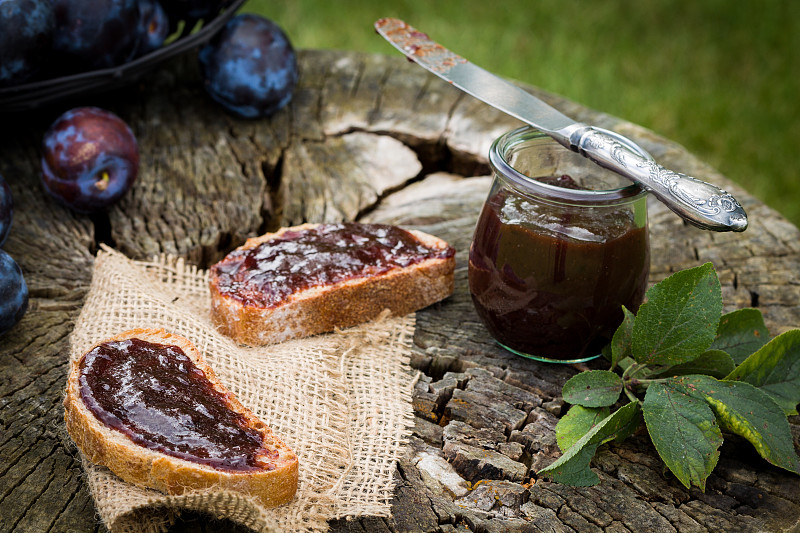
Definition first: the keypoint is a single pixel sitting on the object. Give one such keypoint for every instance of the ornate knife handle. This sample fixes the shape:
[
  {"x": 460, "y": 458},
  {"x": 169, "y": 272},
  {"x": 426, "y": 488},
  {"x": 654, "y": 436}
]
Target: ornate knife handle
[{"x": 698, "y": 202}]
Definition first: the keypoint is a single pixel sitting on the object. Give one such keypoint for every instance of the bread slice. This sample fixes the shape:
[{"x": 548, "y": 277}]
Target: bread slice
[
  {"x": 238, "y": 309},
  {"x": 271, "y": 478}
]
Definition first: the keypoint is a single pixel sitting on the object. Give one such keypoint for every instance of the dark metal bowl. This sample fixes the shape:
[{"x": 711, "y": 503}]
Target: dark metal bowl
[{"x": 38, "y": 93}]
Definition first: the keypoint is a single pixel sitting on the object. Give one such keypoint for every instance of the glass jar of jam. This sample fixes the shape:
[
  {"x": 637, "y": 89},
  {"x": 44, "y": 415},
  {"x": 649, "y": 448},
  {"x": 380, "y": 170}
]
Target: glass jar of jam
[{"x": 560, "y": 246}]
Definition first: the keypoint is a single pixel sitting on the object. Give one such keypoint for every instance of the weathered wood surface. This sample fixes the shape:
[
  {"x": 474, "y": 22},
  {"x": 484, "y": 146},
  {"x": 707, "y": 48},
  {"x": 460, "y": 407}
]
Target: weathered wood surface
[{"x": 371, "y": 138}]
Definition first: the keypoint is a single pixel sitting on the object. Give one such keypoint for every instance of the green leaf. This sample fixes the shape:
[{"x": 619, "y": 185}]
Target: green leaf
[
  {"x": 741, "y": 333},
  {"x": 605, "y": 351},
  {"x": 593, "y": 388},
  {"x": 775, "y": 369},
  {"x": 749, "y": 412},
  {"x": 572, "y": 468},
  {"x": 625, "y": 363},
  {"x": 711, "y": 363},
  {"x": 576, "y": 423},
  {"x": 621, "y": 341},
  {"x": 627, "y": 428},
  {"x": 679, "y": 319},
  {"x": 684, "y": 430}
]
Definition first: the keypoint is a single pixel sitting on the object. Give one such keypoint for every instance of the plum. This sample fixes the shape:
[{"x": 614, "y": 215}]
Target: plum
[
  {"x": 96, "y": 33},
  {"x": 90, "y": 159},
  {"x": 6, "y": 210},
  {"x": 153, "y": 26},
  {"x": 26, "y": 34},
  {"x": 13, "y": 292},
  {"x": 249, "y": 67}
]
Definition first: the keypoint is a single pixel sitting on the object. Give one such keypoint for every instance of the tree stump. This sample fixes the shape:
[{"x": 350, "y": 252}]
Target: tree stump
[{"x": 371, "y": 138}]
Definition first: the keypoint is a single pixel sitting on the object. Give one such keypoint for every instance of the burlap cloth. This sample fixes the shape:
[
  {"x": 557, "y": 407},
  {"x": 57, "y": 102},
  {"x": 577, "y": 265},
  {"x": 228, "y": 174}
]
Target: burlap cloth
[{"x": 341, "y": 401}]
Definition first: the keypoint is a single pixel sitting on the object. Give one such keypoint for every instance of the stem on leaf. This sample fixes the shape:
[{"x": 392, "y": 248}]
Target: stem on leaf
[
  {"x": 631, "y": 383},
  {"x": 629, "y": 393}
]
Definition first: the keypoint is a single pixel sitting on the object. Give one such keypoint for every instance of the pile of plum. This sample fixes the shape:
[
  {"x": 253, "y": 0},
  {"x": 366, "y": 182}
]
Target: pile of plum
[
  {"x": 249, "y": 67},
  {"x": 90, "y": 156},
  {"x": 48, "y": 38}
]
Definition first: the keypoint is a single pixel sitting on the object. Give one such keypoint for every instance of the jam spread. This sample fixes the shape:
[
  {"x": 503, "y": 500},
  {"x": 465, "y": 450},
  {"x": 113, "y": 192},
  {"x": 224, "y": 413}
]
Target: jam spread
[
  {"x": 267, "y": 274},
  {"x": 161, "y": 400},
  {"x": 550, "y": 281}
]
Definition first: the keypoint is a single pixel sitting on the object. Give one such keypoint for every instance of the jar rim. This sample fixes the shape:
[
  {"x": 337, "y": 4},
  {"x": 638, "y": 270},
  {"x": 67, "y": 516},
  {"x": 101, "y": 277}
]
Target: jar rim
[{"x": 502, "y": 168}]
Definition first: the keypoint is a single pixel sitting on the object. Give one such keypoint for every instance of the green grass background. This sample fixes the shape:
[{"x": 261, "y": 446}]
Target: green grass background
[{"x": 721, "y": 77}]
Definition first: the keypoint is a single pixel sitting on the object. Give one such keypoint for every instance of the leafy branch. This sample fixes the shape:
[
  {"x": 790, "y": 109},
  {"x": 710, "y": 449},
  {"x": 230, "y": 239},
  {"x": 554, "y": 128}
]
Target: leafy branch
[{"x": 689, "y": 372}]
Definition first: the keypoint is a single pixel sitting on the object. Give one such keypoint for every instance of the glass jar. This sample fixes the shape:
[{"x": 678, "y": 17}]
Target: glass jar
[{"x": 560, "y": 246}]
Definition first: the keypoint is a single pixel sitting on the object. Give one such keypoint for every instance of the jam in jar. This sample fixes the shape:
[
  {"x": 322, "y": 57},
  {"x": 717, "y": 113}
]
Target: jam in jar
[{"x": 560, "y": 246}]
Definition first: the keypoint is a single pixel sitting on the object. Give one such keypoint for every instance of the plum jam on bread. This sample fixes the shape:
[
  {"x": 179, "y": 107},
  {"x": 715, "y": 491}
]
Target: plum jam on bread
[
  {"x": 314, "y": 278},
  {"x": 145, "y": 405}
]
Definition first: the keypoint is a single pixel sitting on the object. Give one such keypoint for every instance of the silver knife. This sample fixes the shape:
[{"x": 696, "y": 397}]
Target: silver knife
[{"x": 700, "y": 203}]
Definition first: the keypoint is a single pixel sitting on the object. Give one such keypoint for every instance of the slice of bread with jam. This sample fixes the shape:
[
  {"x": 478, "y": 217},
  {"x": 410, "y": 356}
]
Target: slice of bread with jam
[
  {"x": 146, "y": 405},
  {"x": 315, "y": 278}
]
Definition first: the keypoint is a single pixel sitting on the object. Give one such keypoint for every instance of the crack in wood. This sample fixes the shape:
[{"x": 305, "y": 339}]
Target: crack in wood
[
  {"x": 101, "y": 223},
  {"x": 12, "y": 437},
  {"x": 360, "y": 69},
  {"x": 60, "y": 375},
  {"x": 32, "y": 507},
  {"x": 422, "y": 92},
  {"x": 25, "y": 473},
  {"x": 67, "y": 502},
  {"x": 753, "y": 298},
  {"x": 375, "y": 112}
]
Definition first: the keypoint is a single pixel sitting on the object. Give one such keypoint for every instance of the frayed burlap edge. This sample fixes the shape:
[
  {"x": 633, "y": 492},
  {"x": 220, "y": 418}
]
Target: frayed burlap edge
[{"x": 342, "y": 401}]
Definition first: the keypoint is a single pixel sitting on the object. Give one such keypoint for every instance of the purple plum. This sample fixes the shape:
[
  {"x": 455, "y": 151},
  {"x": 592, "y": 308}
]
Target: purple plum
[
  {"x": 13, "y": 292},
  {"x": 90, "y": 159},
  {"x": 153, "y": 26},
  {"x": 96, "y": 33},
  {"x": 249, "y": 67},
  {"x": 26, "y": 34}
]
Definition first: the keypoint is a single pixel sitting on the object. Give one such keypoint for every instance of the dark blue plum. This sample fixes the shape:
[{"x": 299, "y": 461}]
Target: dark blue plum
[
  {"x": 6, "y": 210},
  {"x": 153, "y": 26},
  {"x": 13, "y": 293},
  {"x": 250, "y": 67},
  {"x": 26, "y": 34},
  {"x": 96, "y": 33},
  {"x": 90, "y": 158}
]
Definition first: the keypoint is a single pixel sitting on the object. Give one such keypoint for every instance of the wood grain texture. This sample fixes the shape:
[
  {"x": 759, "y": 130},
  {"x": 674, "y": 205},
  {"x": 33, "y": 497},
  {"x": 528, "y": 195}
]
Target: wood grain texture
[{"x": 373, "y": 138}]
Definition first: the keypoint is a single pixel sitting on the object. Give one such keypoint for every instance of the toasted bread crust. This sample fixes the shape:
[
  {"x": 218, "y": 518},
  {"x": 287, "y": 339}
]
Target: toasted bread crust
[
  {"x": 340, "y": 305},
  {"x": 152, "y": 469}
]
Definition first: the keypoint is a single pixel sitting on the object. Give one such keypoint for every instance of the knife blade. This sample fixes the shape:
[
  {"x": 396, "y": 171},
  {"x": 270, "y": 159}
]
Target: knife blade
[{"x": 701, "y": 204}]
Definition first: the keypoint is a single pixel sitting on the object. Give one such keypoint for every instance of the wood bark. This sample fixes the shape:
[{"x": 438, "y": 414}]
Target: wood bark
[{"x": 372, "y": 138}]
